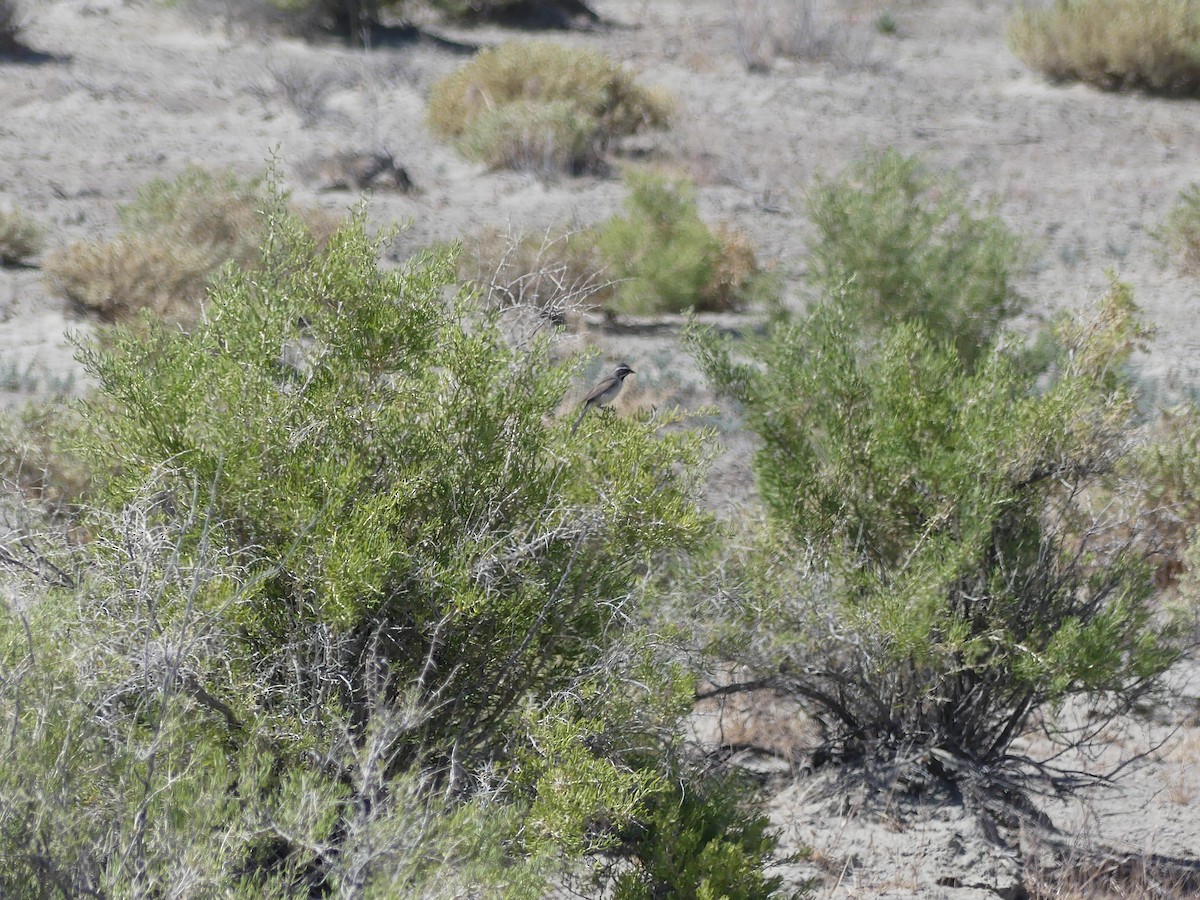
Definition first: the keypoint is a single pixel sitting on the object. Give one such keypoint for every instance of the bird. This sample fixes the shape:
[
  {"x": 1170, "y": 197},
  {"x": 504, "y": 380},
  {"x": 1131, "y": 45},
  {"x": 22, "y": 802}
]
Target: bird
[{"x": 604, "y": 392}]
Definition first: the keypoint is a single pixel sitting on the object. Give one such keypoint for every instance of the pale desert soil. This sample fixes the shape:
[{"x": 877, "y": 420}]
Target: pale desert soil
[{"x": 127, "y": 91}]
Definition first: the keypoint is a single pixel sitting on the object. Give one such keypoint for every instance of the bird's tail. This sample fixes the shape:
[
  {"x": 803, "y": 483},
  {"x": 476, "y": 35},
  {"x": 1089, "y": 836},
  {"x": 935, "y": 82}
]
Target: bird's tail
[{"x": 582, "y": 413}]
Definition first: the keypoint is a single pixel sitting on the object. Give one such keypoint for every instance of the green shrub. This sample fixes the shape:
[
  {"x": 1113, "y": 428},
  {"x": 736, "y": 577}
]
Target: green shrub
[
  {"x": 541, "y": 106},
  {"x": 667, "y": 259},
  {"x": 1181, "y": 230},
  {"x": 35, "y": 456},
  {"x": 660, "y": 256},
  {"x": 940, "y": 572},
  {"x": 175, "y": 236},
  {"x": 698, "y": 837},
  {"x": 902, "y": 244},
  {"x": 128, "y": 769},
  {"x": 20, "y": 237},
  {"x": 1152, "y": 45},
  {"x": 417, "y": 565}
]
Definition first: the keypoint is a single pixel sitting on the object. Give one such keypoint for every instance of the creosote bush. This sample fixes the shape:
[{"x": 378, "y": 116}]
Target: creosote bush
[
  {"x": 354, "y": 598},
  {"x": 1180, "y": 233},
  {"x": 936, "y": 572},
  {"x": 1152, "y": 45},
  {"x": 699, "y": 832},
  {"x": 666, "y": 258},
  {"x": 542, "y": 107},
  {"x": 900, "y": 243},
  {"x": 175, "y": 236},
  {"x": 20, "y": 237}
]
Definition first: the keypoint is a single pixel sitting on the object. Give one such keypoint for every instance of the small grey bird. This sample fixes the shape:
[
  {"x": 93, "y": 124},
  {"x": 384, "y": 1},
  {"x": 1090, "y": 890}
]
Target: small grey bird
[{"x": 604, "y": 392}]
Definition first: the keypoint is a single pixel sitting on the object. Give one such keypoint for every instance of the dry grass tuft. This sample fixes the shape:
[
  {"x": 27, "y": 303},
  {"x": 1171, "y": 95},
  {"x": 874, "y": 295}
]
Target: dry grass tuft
[
  {"x": 809, "y": 30},
  {"x": 176, "y": 235},
  {"x": 555, "y": 273},
  {"x": 20, "y": 237},
  {"x": 541, "y": 107},
  {"x": 1151, "y": 45},
  {"x": 117, "y": 278},
  {"x": 1109, "y": 877}
]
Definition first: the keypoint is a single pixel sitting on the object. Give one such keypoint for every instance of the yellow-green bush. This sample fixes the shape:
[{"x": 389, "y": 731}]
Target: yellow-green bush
[
  {"x": 943, "y": 569},
  {"x": 900, "y": 242},
  {"x": 176, "y": 235},
  {"x": 35, "y": 456},
  {"x": 1152, "y": 45},
  {"x": 667, "y": 258},
  {"x": 20, "y": 237},
  {"x": 541, "y": 106},
  {"x": 1181, "y": 230}
]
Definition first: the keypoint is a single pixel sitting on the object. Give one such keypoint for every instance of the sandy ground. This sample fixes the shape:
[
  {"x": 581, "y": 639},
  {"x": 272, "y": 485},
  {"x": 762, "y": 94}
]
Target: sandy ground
[{"x": 125, "y": 91}]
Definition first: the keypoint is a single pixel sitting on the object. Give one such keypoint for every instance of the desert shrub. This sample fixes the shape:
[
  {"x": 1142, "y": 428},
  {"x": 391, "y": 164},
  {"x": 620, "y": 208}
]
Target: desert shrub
[
  {"x": 660, "y": 256},
  {"x": 36, "y": 459},
  {"x": 20, "y": 237},
  {"x": 1166, "y": 473},
  {"x": 391, "y": 579},
  {"x": 119, "y": 278},
  {"x": 175, "y": 236},
  {"x": 938, "y": 571},
  {"x": 700, "y": 832},
  {"x": 1181, "y": 230},
  {"x": 541, "y": 106},
  {"x": 127, "y": 770},
  {"x": 666, "y": 258},
  {"x": 903, "y": 244},
  {"x": 1152, "y": 45}
]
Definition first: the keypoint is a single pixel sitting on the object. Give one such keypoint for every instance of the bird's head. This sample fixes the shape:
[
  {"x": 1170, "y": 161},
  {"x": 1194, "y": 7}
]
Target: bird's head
[{"x": 623, "y": 371}]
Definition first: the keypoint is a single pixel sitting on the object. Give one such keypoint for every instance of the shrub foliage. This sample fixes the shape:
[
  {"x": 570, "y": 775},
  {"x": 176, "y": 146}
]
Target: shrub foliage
[
  {"x": 900, "y": 243},
  {"x": 1181, "y": 230},
  {"x": 957, "y": 577},
  {"x": 352, "y": 594},
  {"x": 1152, "y": 45},
  {"x": 20, "y": 237},
  {"x": 658, "y": 257},
  {"x": 542, "y": 107},
  {"x": 667, "y": 259}
]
